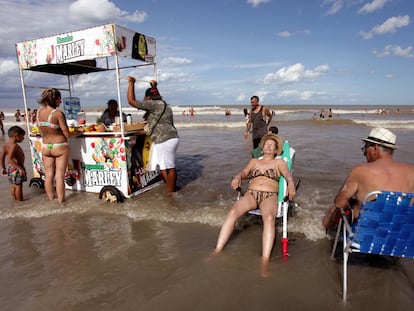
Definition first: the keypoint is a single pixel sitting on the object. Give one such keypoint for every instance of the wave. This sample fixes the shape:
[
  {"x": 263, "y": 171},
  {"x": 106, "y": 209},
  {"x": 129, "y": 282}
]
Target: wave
[
  {"x": 214, "y": 116},
  {"x": 210, "y": 124},
  {"x": 390, "y": 124},
  {"x": 187, "y": 122},
  {"x": 306, "y": 220}
]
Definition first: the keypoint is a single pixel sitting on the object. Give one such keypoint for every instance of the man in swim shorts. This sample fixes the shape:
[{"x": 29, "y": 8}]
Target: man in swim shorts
[{"x": 259, "y": 119}]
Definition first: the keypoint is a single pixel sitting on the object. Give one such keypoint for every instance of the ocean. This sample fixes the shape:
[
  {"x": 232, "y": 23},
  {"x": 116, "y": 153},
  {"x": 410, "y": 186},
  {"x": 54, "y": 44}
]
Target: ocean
[{"x": 149, "y": 252}]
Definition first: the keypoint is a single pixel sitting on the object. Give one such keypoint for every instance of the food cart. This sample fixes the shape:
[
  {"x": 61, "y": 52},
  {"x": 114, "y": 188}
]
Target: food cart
[{"x": 111, "y": 163}]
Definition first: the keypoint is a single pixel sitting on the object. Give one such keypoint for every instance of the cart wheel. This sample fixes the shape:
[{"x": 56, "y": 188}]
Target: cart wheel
[
  {"x": 36, "y": 183},
  {"x": 70, "y": 180},
  {"x": 111, "y": 194}
]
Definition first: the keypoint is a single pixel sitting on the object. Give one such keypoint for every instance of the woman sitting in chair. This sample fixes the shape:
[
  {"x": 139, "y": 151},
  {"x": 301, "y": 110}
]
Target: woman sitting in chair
[{"x": 262, "y": 193}]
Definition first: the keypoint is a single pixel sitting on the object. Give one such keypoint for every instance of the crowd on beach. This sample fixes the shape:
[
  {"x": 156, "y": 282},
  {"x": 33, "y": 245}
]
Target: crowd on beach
[
  {"x": 191, "y": 112},
  {"x": 328, "y": 115},
  {"x": 19, "y": 117},
  {"x": 323, "y": 114},
  {"x": 263, "y": 171},
  {"x": 31, "y": 116}
]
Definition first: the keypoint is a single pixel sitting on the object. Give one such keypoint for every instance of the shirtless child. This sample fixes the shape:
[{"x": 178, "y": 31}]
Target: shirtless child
[{"x": 15, "y": 169}]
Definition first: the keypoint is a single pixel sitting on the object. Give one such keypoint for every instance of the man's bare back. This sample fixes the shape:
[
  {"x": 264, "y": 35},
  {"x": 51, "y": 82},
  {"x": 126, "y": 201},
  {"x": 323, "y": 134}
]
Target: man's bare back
[{"x": 380, "y": 173}]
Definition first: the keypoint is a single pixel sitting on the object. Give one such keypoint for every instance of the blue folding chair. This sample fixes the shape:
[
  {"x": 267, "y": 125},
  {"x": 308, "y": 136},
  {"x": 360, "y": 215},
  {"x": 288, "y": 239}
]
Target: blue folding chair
[{"x": 385, "y": 226}]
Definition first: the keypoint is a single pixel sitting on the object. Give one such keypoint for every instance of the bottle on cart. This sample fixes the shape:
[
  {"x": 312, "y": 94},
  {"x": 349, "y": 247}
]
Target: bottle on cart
[{"x": 129, "y": 118}]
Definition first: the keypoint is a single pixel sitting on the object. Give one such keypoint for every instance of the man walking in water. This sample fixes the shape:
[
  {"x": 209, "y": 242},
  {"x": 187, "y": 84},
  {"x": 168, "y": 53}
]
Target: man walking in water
[{"x": 258, "y": 121}]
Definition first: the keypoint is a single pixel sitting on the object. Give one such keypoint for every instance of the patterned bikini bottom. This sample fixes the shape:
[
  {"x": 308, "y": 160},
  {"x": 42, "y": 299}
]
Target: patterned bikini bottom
[{"x": 260, "y": 196}]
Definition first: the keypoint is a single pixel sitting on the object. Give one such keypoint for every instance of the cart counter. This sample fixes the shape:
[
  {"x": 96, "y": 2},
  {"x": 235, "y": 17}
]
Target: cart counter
[{"x": 107, "y": 163}]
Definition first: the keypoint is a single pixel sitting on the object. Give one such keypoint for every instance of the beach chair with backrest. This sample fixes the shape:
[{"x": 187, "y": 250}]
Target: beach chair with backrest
[{"x": 385, "y": 226}]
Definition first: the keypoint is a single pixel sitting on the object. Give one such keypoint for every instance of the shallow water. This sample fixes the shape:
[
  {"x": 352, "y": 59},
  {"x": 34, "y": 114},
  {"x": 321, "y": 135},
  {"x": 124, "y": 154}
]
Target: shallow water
[{"x": 149, "y": 253}]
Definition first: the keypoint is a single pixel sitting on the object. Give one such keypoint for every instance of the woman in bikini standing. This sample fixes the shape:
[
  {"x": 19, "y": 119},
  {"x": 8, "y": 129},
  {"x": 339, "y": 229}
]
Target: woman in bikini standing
[
  {"x": 262, "y": 193},
  {"x": 55, "y": 148}
]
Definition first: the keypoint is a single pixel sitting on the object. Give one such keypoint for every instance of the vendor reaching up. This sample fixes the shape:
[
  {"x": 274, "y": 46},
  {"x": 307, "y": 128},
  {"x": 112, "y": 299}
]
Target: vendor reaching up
[{"x": 163, "y": 133}]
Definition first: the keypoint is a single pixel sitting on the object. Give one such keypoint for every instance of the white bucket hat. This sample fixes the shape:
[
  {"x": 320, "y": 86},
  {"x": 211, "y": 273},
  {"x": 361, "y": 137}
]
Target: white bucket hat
[{"x": 382, "y": 137}]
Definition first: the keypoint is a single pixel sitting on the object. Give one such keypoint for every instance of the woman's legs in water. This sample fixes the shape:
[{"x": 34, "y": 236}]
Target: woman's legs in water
[
  {"x": 268, "y": 209},
  {"x": 239, "y": 208},
  {"x": 61, "y": 165},
  {"x": 55, "y": 162},
  {"x": 49, "y": 165}
]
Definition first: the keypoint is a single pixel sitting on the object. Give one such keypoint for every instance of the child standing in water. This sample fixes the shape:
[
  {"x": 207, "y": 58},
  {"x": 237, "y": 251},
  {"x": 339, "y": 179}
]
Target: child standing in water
[{"x": 15, "y": 169}]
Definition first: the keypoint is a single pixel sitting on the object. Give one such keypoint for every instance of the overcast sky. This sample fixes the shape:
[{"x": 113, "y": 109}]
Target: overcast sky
[{"x": 219, "y": 52}]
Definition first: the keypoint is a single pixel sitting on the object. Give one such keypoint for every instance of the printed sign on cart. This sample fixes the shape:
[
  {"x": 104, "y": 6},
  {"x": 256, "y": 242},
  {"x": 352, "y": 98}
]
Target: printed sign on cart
[{"x": 91, "y": 43}]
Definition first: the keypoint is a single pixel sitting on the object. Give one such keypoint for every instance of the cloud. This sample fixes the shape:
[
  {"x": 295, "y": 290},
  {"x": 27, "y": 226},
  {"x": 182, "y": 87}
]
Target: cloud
[
  {"x": 174, "y": 77},
  {"x": 102, "y": 11},
  {"x": 335, "y": 6},
  {"x": 257, "y": 65},
  {"x": 176, "y": 61},
  {"x": 390, "y": 76},
  {"x": 136, "y": 17},
  {"x": 395, "y": 50},
  {"x": 289, "y": 93},
  {"x": 287, "y": 34},
  {"x": 256, "y": 3},
  {"x": 284, "y": 34},
  {"x": 373, "y": 6},
  {"x": 302, "y": 95},
  {"x": 66, "y": 15},
  {"x": 389, "y": 26},
  {"x": 241, "y": 97},
  {"x": 7, "y": 66},
  {"x": 295, "y": 74}
]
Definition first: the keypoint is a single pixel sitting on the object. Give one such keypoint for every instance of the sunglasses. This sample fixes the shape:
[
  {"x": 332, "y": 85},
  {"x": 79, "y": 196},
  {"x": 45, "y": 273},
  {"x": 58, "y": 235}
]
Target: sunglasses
[{"x": 366, "y": 146}]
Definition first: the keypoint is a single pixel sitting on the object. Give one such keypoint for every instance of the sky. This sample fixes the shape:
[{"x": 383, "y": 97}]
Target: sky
[{"x": 222, "y": 52}]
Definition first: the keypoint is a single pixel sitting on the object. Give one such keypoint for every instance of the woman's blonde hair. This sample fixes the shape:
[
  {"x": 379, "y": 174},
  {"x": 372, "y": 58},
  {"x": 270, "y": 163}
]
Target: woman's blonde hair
[{"x": 50, "y": 97}]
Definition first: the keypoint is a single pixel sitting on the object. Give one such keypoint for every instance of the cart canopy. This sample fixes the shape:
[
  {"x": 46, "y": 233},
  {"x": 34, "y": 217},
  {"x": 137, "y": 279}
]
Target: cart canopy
[{"x": 76, "y": 52}]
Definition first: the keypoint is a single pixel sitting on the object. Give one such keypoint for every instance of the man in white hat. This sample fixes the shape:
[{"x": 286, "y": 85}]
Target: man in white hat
[{"x": 380, "y": 173}]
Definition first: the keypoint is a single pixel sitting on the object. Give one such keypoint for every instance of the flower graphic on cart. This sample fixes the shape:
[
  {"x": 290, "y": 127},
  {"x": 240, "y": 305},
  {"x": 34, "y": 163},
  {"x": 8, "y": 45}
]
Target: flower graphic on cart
[
  {"x": 27, "y": 54},
  {"x": 105, "y": 42},
  {"x": 38, "y": 168},
  {"x": 110, "y": 152}
]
